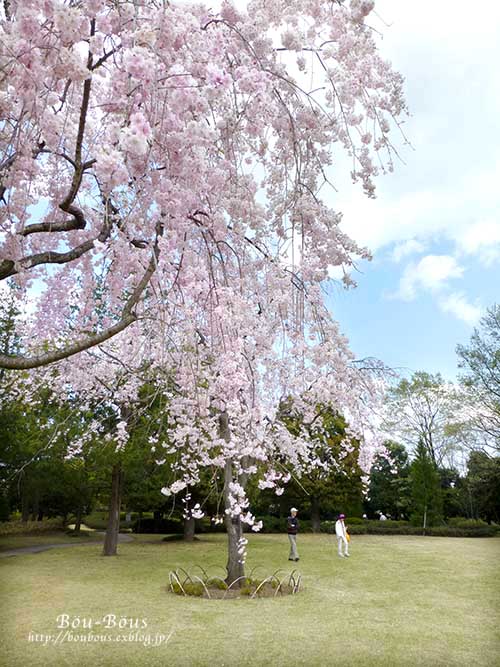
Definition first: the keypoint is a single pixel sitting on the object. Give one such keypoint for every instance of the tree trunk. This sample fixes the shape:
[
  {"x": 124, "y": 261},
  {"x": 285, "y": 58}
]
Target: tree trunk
[
  {"x": 234, "y": 567},
  {"x": 189, "y": 528},
  {"x": 111, "y": 538},
  {"x": 78, "y": 520},
  {"x": 36, "y": 505},
  {"x": 189, "y": 522},
  {"x": 157, "y": 517},
  {"x": 315, "y": 517},
  {"x": 25, "y": 508},
  {"x": 430, "y": 445}
]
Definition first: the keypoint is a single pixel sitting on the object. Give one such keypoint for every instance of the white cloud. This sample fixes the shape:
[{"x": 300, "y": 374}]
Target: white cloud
[
  {"x": 450, "y": 180},
  {"x": 482, "y": 239},
  {"x": 431, "y": 273},
  {"x": 464, "y": 214},
  {"x": 406, "y": 248},
  {"x": 457, "y": 304}
]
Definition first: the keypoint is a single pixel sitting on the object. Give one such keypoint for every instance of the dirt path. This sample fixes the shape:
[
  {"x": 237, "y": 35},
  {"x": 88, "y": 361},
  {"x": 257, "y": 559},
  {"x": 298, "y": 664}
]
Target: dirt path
[{"x": 44, "y": 547}]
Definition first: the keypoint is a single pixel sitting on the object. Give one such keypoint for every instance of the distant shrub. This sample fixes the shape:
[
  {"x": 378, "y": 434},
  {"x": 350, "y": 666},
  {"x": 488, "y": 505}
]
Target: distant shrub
[
  {"x": 98, "y": 520},
  {"x": 274, "y": 524},
  {"x": 148, "y": 525},
  {"x": 463, "y": 522},
  {"x": 387, "y": 527},
  {"x": 4, "y": 508},
  {"x": 474, "y": 529},
  {"x": 80, "y": 534},
  {"x": 134, "y": 515},
  {"x": 206, "y": 525},
  {"x": 451, "y": 531},
  {"x": 29, "y": 527},
  {"x": 327, "y": 526}
]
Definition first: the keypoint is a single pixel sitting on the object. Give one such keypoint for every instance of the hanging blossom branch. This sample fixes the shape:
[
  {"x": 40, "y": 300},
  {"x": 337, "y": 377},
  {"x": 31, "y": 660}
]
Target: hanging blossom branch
[{"x": 95, "y": 132}]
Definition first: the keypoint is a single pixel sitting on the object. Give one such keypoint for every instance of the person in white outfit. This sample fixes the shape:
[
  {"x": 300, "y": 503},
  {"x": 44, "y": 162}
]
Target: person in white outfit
[{"x": 340, "y": 531}]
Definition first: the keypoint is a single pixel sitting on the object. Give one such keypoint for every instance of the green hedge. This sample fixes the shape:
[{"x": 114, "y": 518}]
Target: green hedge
[
  {"x": 98, "y": 520},
  {"x": 463, "y": 522},
  {"x": 450, "y": 531},
  {"x": 274, "y": 524},
  {"x": 148, "y": 525},
  {"x": 354, "y": 520},
  {"x": 471, "y": 529},
  {"x": 18, "y": 527}
]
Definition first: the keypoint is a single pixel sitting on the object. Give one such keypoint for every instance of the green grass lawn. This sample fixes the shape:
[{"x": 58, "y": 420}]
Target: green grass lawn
[{"x": 401, "y": 600}]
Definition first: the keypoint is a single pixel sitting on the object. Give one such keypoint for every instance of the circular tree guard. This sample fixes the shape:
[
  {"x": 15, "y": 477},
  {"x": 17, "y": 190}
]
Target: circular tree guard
[{"x": 198, "y": 583}]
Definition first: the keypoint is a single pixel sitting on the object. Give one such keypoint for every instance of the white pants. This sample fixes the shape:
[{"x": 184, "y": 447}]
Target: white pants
[
  {"x": 342, "y": 540},
  {"x": 293, "y": 547}
]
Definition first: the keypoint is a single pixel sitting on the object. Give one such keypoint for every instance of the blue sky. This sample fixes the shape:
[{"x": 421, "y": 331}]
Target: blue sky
[
  {"x": 434, "y": 229},
  {"x": 406, "y": 335}
]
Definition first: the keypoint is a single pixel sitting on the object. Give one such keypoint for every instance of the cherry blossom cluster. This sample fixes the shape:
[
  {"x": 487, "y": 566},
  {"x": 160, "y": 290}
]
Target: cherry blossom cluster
[
  {"x": 137, "y": 132},
  {"x": 162, "y": 169}
]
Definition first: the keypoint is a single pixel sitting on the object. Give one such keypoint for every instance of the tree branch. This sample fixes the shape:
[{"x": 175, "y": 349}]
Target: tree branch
[
  {"x": 20, "y": 362},
  {"x": 63, "y": 226}
]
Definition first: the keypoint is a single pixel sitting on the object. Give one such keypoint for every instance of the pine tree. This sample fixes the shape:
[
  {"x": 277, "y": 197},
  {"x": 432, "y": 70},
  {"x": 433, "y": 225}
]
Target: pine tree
[{"x": 426, "y": 490}]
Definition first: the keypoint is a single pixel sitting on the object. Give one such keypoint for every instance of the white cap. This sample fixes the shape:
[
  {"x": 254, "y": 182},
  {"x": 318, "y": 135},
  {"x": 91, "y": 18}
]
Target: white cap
[{"x": 294, "y": 509}]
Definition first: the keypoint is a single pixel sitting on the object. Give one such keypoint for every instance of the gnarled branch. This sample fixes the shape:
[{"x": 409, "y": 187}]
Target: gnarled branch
[{"x": 128, "y": 316}]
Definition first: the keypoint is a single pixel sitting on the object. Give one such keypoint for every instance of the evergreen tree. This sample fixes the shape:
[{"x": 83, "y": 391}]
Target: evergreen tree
[
  {"x": 389, "y": 487},
  {"x": 427, "y": 501},
  {"x": 337, "y": 487},
  {"x": 482, "y": 487}
]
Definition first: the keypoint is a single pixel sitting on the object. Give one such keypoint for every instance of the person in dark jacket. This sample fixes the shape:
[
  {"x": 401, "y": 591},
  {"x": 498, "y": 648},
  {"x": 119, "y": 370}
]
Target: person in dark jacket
[{"x": 293, "y": 528}]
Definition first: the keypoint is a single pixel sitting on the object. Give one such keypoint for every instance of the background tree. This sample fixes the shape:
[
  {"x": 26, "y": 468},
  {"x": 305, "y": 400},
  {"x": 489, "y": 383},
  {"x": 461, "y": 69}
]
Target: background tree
[
  {"x": 422, "y": 410},
  {"x": 147, "y": 468},
  {"x": 389, "y": 489},
  {"x": 451, "y": 489},
  {"x": 481, "y": 487},
  {"x": 336, "y": 485},
  {"x": 480, "y": 361},
  {"x": 37, "y": 476},
  {"x": 427, "y": 504}
]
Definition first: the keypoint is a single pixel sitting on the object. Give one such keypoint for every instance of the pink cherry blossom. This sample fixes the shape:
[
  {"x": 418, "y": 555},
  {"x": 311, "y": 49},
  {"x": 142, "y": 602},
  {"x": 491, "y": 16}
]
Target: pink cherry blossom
[{"x": 162, "y": 178}]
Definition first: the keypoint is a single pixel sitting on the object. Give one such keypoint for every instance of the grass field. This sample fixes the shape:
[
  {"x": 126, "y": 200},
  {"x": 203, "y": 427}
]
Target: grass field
[{"x": 401, "y": 600}]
